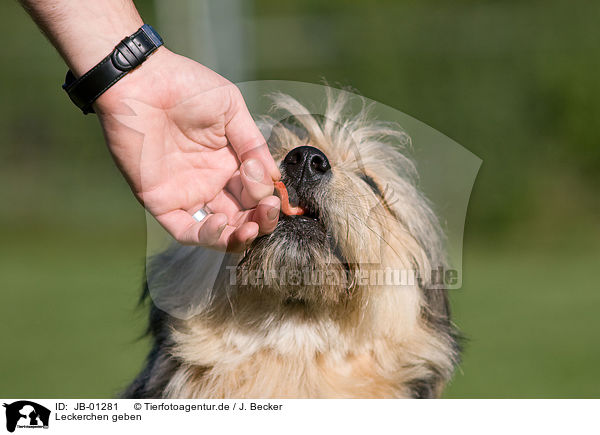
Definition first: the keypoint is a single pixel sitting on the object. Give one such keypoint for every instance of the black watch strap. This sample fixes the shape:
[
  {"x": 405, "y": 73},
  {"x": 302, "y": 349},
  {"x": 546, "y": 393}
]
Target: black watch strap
[{"x": 126, "y": 56}]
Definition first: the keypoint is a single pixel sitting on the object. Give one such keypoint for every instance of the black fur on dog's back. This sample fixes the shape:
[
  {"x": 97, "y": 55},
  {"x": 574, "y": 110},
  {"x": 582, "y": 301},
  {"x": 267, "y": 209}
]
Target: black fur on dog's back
[{"x": 160, "y": 365}]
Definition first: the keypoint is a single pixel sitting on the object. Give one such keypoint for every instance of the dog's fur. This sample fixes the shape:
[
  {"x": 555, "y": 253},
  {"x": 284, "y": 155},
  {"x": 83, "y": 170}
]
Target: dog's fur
[{"x": 352, "y": 340}]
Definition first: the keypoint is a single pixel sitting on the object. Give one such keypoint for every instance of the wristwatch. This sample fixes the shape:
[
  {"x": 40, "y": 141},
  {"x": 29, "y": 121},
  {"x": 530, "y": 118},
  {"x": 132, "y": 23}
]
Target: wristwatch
[{"x": 126, "y": 56}]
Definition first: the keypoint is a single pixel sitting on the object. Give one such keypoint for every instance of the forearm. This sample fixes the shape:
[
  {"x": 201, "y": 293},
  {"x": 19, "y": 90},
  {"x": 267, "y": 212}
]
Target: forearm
[{"x": 84, "y": 31}]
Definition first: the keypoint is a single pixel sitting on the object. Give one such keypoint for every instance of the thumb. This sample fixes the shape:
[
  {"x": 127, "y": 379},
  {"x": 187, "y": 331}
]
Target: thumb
[
  {"x": 245, "y": 137},
  {"x": 256, "y": 183}
]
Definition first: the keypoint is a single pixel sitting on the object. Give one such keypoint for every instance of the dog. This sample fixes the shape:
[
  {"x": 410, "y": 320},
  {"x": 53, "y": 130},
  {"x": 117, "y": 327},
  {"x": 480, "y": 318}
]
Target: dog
[{"x": 263, "y": 330}]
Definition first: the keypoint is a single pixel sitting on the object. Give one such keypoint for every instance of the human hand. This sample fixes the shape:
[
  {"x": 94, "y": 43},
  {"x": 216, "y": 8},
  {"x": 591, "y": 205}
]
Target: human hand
[{"x": 178, "y": 132}]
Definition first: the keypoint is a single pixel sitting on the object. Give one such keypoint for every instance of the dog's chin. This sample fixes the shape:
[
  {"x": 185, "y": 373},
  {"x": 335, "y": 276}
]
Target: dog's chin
[
  {"x": 302, "y": 228},
  {"x": 297, "y": 263}
]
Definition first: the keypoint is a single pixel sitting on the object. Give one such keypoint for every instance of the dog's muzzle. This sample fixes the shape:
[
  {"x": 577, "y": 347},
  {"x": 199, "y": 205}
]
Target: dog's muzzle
[{"x": 306, "y": 165}]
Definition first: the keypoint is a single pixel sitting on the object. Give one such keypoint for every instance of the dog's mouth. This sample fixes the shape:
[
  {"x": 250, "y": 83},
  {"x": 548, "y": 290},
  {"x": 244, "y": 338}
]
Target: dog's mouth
[
  {"x": 307, "y": 224},
  {"x": 312, "y": 220},
  {"x": 312, "y": 225},
  {"x": 311, "y": 211},
  {"x": 295, "y": 207},
  {"x": 300, "y": 200},
  {"x": 301, "y": 246}
]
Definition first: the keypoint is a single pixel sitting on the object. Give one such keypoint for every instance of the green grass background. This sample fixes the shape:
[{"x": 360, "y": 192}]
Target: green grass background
[{"x": 514, "y": 82}]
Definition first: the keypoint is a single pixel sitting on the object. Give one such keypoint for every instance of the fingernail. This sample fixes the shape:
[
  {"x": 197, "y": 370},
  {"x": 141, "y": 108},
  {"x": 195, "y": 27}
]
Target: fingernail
[
  {"x": 221, "y": 228},
  {"x": 253, "y": 169},
  {"x": 273, "y": 213}
]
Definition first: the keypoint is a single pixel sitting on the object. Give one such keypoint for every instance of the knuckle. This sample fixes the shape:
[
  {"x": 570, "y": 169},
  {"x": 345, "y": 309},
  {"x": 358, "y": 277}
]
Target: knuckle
[{"x": 236, "y": 93}]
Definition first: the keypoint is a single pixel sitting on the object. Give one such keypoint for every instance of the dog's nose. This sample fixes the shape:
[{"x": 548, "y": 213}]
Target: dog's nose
[{"x": 306, "y": 164}]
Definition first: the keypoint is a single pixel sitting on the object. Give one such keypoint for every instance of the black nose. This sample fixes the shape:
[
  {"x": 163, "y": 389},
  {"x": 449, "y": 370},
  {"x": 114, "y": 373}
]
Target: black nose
[{"x": 306, "y": 164}]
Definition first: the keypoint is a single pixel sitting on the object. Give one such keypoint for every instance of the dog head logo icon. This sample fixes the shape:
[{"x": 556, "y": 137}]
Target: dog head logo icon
[{"x": 26, "y": 414}]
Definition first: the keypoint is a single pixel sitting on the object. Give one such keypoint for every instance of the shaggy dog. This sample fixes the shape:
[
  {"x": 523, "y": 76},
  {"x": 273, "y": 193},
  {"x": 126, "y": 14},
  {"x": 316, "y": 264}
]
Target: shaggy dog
[{"x": 323, "y": 307}]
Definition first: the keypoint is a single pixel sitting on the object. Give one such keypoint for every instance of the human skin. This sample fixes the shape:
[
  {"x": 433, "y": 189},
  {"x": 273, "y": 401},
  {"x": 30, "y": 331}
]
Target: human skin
[{"x": 179, "y": 132}]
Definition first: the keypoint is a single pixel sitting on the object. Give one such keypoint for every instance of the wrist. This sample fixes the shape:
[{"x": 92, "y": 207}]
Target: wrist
[
  {"x": 83, "y": 32},
  {"x": 127, "y": 56},
  {"x": 84, "y": 54},
  {"x": 135, "y": 85}
]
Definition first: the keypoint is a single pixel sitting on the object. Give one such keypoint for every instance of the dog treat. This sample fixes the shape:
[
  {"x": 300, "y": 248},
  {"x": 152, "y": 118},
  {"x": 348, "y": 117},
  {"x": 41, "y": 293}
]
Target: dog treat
[{"x": 286, "y": 208}]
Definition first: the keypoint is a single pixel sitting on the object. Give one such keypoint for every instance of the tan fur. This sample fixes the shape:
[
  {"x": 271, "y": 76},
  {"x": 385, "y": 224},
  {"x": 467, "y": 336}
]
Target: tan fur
[{"x": 361, "y": 341}]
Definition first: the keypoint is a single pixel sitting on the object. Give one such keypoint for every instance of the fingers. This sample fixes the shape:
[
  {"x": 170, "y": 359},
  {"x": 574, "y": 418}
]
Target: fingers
[
  {"x": 212, "y": 232},
  {"x": 225, "y": 202},
  {"x": 253, "y": 223},
  {"x": 266, "y": 214},
  {"x": 245, "y": 137},
  {"x": 239, "y": 238},
  {"x": 251, "y": 184},
  {"x": 257, "y": 184},
  {"x": 187, "y": 231}
]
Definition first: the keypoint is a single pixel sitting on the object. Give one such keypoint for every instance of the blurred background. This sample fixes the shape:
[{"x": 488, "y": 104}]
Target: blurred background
[{"x": 515, "y": 82}]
